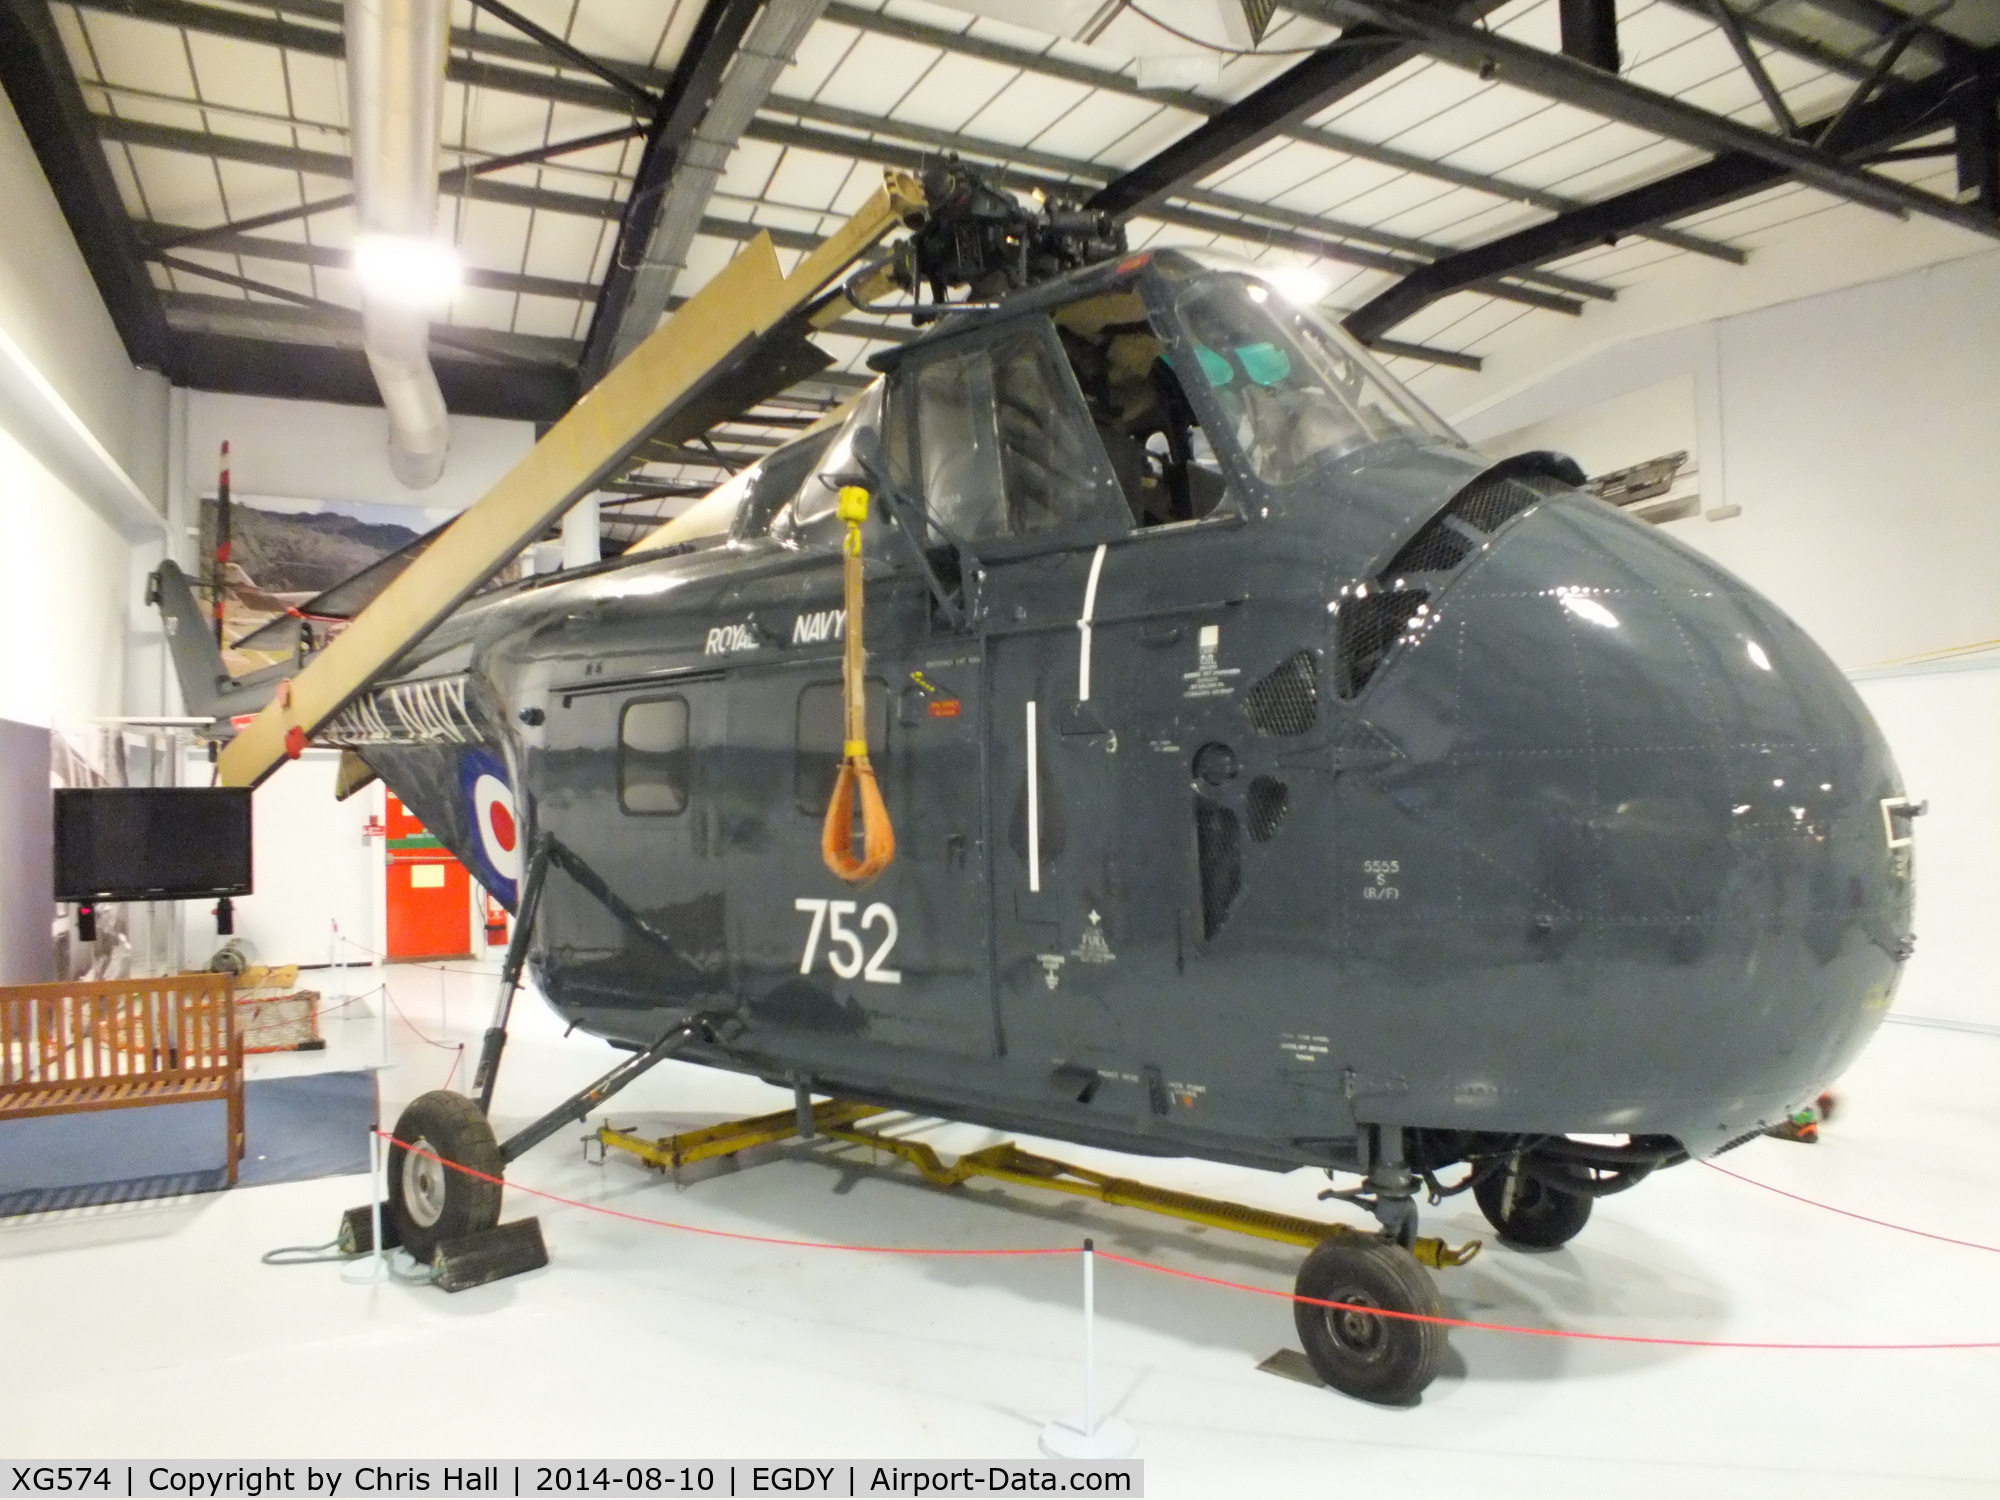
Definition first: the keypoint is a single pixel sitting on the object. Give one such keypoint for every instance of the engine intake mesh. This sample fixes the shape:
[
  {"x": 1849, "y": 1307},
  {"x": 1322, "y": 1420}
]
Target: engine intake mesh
[
  {"x": 1270, "y": 799},
  {"x": 1286, "y": 700},
  {"x": 1368, "y": 628}
]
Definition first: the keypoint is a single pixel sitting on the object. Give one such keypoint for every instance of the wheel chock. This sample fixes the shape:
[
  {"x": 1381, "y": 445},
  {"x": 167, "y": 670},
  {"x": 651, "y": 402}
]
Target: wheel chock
[
  {"x": 491, "y": 1255},
  {"x": 357, "y": 1230}
]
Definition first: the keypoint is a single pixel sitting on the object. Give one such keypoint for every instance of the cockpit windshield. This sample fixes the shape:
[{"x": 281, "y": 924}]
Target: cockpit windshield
[{"x": 1292, "y": 391}]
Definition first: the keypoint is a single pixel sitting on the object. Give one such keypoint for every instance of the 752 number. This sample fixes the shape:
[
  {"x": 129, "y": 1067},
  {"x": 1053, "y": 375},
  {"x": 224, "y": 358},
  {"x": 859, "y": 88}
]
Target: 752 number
[{"x": 846, "y": 954}]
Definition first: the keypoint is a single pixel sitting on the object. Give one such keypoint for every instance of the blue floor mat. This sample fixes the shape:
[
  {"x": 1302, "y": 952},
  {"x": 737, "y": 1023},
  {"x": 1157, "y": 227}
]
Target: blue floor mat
[{"x": 294, "y": 1128}]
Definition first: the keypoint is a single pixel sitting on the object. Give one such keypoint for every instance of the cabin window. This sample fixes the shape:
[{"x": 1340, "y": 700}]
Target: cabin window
[
  {"x": 822, "y": 736},
  {"x": 1005, "y": 447},
  {"x": 653, "y": 767}
]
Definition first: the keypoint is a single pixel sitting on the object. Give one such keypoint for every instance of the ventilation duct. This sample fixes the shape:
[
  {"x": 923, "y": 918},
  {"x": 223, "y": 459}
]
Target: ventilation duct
[{"x": 395, "y": 92}]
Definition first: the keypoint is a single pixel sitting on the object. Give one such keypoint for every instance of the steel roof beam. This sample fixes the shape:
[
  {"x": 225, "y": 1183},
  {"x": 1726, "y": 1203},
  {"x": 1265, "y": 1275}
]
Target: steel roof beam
[
  {"x": 452, "y": 183},
  {"x": 1361, "y": 55},
  {"x": 544, "y": 86},
  {"x": 326, "y": 164},
  {"x": 1085, "y": 173},
  {"x": 883, "y": 24},
  {"x": 1568, "y": 81},
  {"x": 42, "y": 86},
  {"x": 641, "y": 98},
  {"x": 685, "y": 99},
  {"x": 334, "y": 258},
  {"x": 1306, "y": 242},
  {"x": 1908, "y": 112}
]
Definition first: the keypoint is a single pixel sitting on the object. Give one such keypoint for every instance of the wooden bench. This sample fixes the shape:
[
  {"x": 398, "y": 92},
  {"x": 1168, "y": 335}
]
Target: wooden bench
[{"x": 121, "y": 1044}]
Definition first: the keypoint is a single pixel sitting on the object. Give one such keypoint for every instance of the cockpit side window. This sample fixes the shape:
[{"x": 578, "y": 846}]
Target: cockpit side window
[
  {"x": 1165, "y": 464},
  {"x": 1004, "y": 446},
  {"x": 1288, "y": 391}
]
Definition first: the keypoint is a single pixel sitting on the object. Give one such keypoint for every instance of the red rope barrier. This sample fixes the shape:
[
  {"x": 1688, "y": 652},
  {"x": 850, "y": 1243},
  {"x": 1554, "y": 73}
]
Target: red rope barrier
[
  {"x": 721, "y": 1234},
  {"x": 1147, "y": 1265},
  {"x": 1848, "y": 1213}
]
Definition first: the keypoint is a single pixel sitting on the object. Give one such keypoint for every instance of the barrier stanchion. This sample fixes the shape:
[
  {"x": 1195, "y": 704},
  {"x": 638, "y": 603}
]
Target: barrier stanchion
[
  {"x": 374, "y": 1266},
  {"x": 1089, "y": 1437}
]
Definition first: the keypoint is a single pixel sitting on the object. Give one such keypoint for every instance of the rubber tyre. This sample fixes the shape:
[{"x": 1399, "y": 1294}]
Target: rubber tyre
[
  {"x": 1388, "y": 1361},
  {"x": 1543, "y": 1217},
  {"x": 431, "y": 1203}
]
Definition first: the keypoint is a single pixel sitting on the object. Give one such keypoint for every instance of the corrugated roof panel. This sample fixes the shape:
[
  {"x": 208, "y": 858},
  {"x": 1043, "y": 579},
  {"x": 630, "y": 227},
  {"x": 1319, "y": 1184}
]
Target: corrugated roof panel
[
  {"x": 229, "y": 71},
  {"x": 823, "y": 49},
  {"x": 248, "y": 189},
  {"x": 807, "y": 180},
  {"x": 550, "y": 317},
  {"x": 559, "y": 245},
  {"x": 1405, "y": 95},
  {"x": 1025, "y": 109},
  {"x": 749, "y": 168},
  {"x": 953, "y": 91},
  {"x": 1114, "y": 128},
  {"x": 180, "y": 189},
  {"x": 1614, "y": 173},
  {"x": 1460, "y": 217},
  {"x": 495, "y": 236},
  {"x": 1476, "y": 113},
  {"x": 876, "y": 73},
  {"x": 318, "y": 87},
  {"x": 1277, "y": 166},
  {"x": 135, "y": 52},
  {"x": 644, "y": 31},
  {"x": 482, "y": 307}
]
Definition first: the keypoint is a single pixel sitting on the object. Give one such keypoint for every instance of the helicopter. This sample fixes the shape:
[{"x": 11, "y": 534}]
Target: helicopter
[{"x": 1276, "y": 780}]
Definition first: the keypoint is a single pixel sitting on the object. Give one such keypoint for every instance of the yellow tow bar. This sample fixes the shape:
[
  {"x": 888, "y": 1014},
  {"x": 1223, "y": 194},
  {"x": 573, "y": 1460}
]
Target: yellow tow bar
[{"x": 837, "y": 1119}]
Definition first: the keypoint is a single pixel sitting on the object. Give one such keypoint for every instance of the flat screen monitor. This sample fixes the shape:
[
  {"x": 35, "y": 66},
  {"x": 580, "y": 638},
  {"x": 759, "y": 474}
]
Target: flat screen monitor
[{"x": 128, "y": 843}]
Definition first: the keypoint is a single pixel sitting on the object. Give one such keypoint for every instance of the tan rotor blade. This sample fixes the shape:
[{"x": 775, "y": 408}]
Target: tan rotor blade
[{"x": 747, "y": 299}]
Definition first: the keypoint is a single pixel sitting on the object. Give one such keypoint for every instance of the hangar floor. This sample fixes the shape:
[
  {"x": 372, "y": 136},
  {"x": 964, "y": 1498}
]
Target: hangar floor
[{"x": 151, "y": 1329}]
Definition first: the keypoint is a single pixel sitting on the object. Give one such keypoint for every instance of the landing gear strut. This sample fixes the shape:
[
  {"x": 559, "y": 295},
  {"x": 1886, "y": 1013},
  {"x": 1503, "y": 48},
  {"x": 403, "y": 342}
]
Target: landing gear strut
[{"x": 1387, "y": 1360}]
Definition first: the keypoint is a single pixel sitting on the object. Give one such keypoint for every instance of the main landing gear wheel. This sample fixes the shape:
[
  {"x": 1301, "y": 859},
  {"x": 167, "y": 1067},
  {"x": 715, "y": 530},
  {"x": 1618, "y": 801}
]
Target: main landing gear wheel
[
  {"x": 429, "y": 1201},
  {"x": 1385, "y": 1360},
  {"x": 1538, "y": 1217}
]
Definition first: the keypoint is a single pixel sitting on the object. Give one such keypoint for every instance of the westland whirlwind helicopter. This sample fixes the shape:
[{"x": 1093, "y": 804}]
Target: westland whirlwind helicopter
[{"x": 1273, "y": 778}]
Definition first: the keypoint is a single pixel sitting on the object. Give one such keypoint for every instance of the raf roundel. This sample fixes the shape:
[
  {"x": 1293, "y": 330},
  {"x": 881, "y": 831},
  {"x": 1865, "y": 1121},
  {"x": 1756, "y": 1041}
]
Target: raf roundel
[{"x": 499, "y": 830}]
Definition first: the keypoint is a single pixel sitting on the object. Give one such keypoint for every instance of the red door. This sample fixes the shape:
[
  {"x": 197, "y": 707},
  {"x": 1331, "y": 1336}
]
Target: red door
[{"x": 430, "y": 893}]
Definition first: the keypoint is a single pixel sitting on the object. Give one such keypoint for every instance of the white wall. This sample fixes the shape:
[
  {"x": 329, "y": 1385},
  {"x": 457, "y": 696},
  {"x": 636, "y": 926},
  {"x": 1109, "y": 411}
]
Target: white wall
[
  {"x": 312, "y": 450},
  {"x": 311, "y": 865},
  {"x": 1859, "y": 434},
  {"x": 82, "y": 468}
]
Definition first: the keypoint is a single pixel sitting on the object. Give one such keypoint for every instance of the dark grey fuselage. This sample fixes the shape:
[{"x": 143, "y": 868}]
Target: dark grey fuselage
[{"x": 1598, "y": 842}]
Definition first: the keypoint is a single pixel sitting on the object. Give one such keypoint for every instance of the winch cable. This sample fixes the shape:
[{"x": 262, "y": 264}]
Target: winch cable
[
  {"x": 857, "y": 776},
  {"x": 1217, "y": 1281}
]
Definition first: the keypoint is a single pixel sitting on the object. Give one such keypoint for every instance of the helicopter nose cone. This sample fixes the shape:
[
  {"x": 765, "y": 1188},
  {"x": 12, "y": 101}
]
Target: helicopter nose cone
[{"x": 1654, "y": 819}]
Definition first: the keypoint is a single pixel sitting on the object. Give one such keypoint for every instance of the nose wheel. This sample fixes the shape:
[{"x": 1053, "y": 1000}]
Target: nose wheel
[
  {"x": 1527, "y": 1212},
  {"x": 1357, "y": 1348}
]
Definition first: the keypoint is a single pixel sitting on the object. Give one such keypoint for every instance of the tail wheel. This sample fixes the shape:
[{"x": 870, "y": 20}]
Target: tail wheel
[
  {"x": 430, "y": 1201},
  {"x": 1529, "y": 1213},
  {"x": 1385, "y": 1360}
]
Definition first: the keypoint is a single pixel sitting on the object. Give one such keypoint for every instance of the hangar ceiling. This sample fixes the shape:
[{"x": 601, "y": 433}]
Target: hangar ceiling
[{"x": 1442, "y": 171}]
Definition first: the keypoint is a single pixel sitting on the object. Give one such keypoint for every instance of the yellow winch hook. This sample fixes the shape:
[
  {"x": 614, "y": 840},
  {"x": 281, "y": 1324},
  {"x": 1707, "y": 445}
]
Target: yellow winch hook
[{"x": 857, "y": 776}]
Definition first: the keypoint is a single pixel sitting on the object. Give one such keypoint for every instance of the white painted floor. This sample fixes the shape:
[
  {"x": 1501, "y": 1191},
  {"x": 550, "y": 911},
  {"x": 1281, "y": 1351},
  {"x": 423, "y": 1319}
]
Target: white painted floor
[{"x": 152, "y": 1330}]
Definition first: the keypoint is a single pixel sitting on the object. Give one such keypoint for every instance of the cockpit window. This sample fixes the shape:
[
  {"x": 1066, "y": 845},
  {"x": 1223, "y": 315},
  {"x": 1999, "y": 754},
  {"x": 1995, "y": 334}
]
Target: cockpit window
[
  {"x": 1005, "y": 447},
  {"x": 1292, "y": 391}
]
